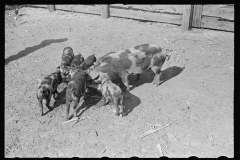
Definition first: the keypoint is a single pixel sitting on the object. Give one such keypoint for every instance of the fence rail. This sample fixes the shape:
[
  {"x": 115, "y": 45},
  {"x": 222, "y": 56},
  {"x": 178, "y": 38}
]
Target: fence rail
[{"x": 219, "y": 17}]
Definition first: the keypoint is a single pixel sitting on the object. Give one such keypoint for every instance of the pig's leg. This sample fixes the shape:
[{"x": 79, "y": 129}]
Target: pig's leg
[
  {"x": 105, "y": 100},
  {"x": 124, "y": 77},
  {"x": 47, "y": 103},
  {"x": 115, "y": 101},
  {"x": 157, "y": 76},
  {"x": 121, "y": 105},
  {"x": 67, "y": 109},
  {"x": 75, "y": 106},
  {"x": 55, "y": 94},
  {"x": 41, "y": 107}
]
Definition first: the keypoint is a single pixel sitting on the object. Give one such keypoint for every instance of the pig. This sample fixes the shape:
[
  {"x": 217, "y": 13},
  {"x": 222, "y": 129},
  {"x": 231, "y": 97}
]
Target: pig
[
  {"x": 48, "y": 88},
  {"x": 99, "y": 61},
  {"x": 135, "y": 60},
  {"x": 113, "y": 92},
  {"x": 99, "y": 73},
  {"x": 67, "y": 58},
  {"x": 76, "y": 90},
  {"x": 77, "y": 61},
  {"x": 88, "y": 62}
]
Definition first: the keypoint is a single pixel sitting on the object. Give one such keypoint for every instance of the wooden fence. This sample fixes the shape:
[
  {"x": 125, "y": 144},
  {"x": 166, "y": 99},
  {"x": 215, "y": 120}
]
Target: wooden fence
[{"x": 220, "y": 17}]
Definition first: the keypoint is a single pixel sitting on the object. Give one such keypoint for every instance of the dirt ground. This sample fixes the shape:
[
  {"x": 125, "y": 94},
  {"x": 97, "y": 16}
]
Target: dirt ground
[{"x": 198, "y": 88}]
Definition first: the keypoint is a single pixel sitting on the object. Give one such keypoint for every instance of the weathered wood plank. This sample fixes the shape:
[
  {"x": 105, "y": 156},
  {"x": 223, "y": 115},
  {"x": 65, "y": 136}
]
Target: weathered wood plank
[
  {"x": 36, "y": 5},
  {"x": 167, "y": 18},
  {"x": 187, "y": 17},
  {"x": 105, "y": 12},
  {"x": 222, "y": 11},
  {"x": 216, "y": 23},
  {"x": 157, "y": 17},
  {"x": 159, "y": 8},
  {"x": 197, "y": 15},
  {"x": 81, "y": 8}
]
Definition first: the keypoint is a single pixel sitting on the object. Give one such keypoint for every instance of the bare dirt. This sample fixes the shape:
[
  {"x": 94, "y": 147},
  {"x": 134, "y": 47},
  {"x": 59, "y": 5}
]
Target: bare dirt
[{"x": 198, "y": 87}]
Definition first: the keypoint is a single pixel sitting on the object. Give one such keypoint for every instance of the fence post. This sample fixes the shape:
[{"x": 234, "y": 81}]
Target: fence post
[
  {"x": 187, "y": 17},
  {"x": 105, "y": 11},
  {"x": 197, "y": 15},
  {"x": 51, "y": 8}
]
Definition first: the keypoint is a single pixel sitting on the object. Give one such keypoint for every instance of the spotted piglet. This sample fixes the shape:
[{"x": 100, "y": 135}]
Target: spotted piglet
[
  {"x": 88, "y": 62},
  {"x": 47, "y": 88},
  {"x": 111, "y": 91},
  {"x": 76, "y": 90},
  {"x": 67, "y": 58},
  {"x": 77, "y": 61}
]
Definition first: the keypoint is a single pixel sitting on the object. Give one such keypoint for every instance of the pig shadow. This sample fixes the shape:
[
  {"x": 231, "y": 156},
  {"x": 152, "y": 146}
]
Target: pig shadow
[
  {"x": 29, "y": 50},
  {"x": 60, "y": 99},
  {"x": 148, "y": 76},
  {"x": 130, "y": 102},
  {"x": 93, "y": 97}
]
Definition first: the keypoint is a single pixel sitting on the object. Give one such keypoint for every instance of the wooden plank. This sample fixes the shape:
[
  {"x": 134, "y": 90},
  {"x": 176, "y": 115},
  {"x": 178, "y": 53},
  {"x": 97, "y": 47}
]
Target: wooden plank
[
  {"x": 36, "y": 5},
  {"x": 226, "y": 12},
  {"x": 157, "y": 17},
  {"x": 81, "y": 8},
  {"x": 167, "y": 18},
  {"x": 156, "y": 8},
  {"x": 187, "y": 17},
  {"x": 51, "y": 8},
  {"x": 217, "y": 23},
  {"x": 105, "y": 12},
  {"x": 197, "y": 15}
]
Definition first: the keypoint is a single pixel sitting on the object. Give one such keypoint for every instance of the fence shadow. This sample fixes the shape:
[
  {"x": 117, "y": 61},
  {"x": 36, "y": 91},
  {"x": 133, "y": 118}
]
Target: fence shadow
[{"x": 29, "y": 50}]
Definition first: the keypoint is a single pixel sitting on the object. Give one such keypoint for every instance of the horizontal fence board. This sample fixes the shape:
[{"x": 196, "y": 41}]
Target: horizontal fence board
[
  {"x": 216, "y": 23},
  {"x": 141, "y": 15},
  {"x": 159, "y": 8},
  {"x": 125, "y": 13},
  {"x": 223, "y": 11},
  {"x": 36, "y": 5},
  {"x": 167, "y": 18},
  {"x": 81, "y": 8}
]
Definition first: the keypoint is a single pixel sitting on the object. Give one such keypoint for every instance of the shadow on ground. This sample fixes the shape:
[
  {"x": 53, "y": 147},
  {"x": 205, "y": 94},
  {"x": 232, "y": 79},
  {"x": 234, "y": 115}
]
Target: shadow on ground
[
  {"x": 93, "y": 97},
  {"x": 130, "y": 102},
  {"x": 29, "y": 50},
  {"x": 147, "y": 77}
]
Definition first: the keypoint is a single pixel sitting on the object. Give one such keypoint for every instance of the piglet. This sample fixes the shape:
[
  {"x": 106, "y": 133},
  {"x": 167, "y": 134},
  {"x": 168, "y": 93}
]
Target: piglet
[
  {"x": 76, "y": 90},
  {"x": 47, "y": 88},
  {"x": 111, "y": 91},
  {"x": 67, "y": 58},
  {"x": 77, "y": 61},
  {"x": 88, "y": 62}
]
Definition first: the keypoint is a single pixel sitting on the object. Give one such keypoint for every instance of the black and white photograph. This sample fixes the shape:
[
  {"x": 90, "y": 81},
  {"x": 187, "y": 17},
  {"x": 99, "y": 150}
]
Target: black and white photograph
[{"x": 119, "y": 80}]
